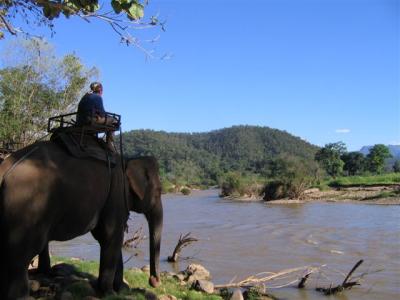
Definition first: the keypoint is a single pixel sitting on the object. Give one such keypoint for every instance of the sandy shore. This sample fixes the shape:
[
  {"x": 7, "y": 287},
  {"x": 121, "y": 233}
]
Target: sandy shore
[{"x": 366, "y": 195}]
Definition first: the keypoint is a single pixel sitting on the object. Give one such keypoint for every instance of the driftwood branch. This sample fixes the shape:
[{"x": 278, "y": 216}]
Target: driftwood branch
[
  {"x": 183, "y": 242},
  {"x": 135, "y": 240},
  {"x": 303, "y": 280},
  {"x": 264, "y": 277},
  {"x": 346, "y": 284}
]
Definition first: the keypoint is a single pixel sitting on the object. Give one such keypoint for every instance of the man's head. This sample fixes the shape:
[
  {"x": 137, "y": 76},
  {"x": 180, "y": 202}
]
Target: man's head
[{"x": 96, "y": 87}]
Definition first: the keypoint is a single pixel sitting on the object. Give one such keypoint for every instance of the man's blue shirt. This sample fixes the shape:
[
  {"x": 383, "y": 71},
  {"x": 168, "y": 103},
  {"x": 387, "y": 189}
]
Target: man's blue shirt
[{"x": 90, "y": 105}]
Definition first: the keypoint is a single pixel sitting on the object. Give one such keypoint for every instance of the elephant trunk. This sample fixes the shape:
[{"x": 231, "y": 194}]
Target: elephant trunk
[{"x": 155, "y": 220}]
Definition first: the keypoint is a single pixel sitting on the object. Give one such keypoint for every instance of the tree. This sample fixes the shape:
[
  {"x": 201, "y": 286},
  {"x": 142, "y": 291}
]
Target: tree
[
  {"x": 396, "y": 166},
  {"x": 35, "y": 85},
  {"x": 292, "y": 176},
  {"x": 354, "y": 162},
  {"x": 329, "y": 158},
  {"x": 121, "y": 15},
  {"x": 376, "y": 158}
]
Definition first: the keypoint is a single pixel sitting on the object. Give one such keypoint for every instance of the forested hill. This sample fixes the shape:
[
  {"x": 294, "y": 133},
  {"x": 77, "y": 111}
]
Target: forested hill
[{"x": 203, "y": 157}]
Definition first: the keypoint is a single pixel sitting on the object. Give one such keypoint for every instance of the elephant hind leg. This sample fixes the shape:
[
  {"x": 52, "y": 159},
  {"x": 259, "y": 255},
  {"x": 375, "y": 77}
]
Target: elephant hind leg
[
  {"x": 18, "y": 282},
  {"x": 44, "y": 260},
  {"x": 21, "y": 248},
  {"x": 3, "y": 272},
  {"x": 17, "y": 273}
]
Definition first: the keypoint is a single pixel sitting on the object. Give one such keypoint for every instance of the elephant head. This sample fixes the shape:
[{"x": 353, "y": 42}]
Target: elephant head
[{"x": 144, "y": 196}]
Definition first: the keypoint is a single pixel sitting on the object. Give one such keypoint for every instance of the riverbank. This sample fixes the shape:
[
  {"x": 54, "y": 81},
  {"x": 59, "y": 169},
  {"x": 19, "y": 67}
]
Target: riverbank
[
  {"x": 385, "y": 194},
  {"x": 73, "y": 278}
]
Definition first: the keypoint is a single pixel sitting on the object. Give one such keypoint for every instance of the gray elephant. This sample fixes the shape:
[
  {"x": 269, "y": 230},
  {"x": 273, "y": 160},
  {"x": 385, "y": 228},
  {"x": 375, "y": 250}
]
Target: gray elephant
[{"x": 46, "y": 195}]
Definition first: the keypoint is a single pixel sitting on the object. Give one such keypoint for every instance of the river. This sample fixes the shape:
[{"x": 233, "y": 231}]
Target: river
[{"x": 238, "y": 239}]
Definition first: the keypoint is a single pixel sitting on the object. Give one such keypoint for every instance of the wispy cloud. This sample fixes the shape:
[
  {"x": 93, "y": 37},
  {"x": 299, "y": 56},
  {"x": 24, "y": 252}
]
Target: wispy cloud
[{"x": 342, "y": 130}]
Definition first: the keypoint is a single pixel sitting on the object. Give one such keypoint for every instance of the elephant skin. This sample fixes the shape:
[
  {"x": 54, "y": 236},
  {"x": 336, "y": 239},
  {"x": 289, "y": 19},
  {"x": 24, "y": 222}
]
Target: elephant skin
[{"x": 47, "y": 195}]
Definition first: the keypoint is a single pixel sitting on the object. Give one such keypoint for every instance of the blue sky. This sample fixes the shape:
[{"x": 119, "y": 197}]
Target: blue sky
[{"x": 324, "y": 70}]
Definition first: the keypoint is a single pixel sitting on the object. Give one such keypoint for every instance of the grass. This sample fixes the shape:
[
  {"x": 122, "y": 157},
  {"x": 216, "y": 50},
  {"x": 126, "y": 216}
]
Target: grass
[
  {"x": 371, "y": 180},
  {"x": 138, "y": 283}
]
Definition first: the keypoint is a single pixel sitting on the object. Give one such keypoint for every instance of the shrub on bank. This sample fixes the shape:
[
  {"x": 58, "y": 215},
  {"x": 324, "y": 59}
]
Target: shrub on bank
[
  {"x": 186, "y": 191},
  {"x": 166, "y": 186},
  {"x": 235, "y": 184},
  {"x": 292, "y": 177}
]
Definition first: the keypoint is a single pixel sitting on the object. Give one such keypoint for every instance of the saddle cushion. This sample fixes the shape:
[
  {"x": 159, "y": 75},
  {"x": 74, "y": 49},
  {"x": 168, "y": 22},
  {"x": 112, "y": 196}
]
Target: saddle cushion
[{"x": 84, "y": 146}]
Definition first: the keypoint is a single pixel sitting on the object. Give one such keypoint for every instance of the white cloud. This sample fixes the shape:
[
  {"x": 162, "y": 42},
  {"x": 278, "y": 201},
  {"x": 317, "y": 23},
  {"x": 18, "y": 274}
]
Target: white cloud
[{"x": 342, "y": 130}]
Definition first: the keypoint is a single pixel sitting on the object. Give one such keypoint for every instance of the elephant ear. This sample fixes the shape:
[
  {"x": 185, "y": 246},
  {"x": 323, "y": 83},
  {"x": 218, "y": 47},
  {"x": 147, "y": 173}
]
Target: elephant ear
[{"x": 137, "y": 178}]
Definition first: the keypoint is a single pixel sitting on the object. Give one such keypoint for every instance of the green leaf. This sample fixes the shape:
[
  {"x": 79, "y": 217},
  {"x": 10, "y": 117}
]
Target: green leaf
[
  {"x": 46, "y": 11},
  {"x": 116, "y": 5},
  {"x": 136, "y": 11}
]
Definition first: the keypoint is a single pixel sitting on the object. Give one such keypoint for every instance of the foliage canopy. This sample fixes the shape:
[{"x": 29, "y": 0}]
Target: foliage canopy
[
  {"x": 376, "y": 158},
  {"x": 35, "y": 85},
  {"x": 329, "y": 158},
  {"x": 18, "y": 16}
]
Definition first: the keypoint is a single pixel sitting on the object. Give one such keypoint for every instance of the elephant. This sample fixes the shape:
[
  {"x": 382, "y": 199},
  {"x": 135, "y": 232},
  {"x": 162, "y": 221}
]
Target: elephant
[{"x": 46, "y": 194}]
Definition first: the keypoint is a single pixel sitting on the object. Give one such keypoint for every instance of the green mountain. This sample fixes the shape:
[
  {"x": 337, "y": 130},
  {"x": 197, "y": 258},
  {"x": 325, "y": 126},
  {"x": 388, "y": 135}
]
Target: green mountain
[{"x": 203, "y": 157}]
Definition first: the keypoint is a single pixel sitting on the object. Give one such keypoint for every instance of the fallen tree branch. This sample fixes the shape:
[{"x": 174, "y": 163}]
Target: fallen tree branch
[
  {"x": 346, "y": 284},
  {"x": 261, "y": 278},
  {"x": 303, "y": 280},
  {"x": 183, "y": 242}
]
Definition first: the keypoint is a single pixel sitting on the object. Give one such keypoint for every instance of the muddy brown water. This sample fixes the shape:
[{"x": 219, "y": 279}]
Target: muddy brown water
[{"x": 238, "y": 239}]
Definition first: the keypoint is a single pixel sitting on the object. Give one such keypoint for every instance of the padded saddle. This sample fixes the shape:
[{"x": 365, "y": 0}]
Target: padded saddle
[{"x": 83, "y": 145}]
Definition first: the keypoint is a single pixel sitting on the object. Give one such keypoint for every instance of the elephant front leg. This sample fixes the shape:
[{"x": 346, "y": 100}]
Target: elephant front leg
[
  {"x": 110, "y": 255},
  {"x": 119, "y": 274}
]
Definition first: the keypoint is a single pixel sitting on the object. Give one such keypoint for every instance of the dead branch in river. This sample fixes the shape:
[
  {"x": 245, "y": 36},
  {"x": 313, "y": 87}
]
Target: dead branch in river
[
  {"x": 346, "y": 284},
  {"x": 183, "y": 242}
]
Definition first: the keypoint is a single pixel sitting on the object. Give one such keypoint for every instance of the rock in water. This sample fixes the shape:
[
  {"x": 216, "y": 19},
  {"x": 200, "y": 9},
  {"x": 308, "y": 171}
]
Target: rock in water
[
  {"x": 198, "y": 272},
  {"x": 204, "y": 286}
]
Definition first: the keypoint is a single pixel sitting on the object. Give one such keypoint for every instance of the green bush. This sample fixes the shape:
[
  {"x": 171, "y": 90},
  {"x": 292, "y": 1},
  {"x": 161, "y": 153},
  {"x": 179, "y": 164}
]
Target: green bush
[
  {"x": 275, "y": 190},
  {"x": 292, "y": 176},
  {"x": 238, "y": 185},
  {"x": 166, "y": 186},
  {"x": 232, "y": 185},
  {"x": 186, "y": 191}
]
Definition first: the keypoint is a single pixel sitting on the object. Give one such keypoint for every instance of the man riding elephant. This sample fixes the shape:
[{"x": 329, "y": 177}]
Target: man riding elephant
[{"x": 91, "y": 112}]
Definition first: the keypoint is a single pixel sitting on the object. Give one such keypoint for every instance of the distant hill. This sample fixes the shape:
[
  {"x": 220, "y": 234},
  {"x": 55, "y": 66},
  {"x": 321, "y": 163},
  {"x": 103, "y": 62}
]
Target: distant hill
[{"x": 208, "y": 155}]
